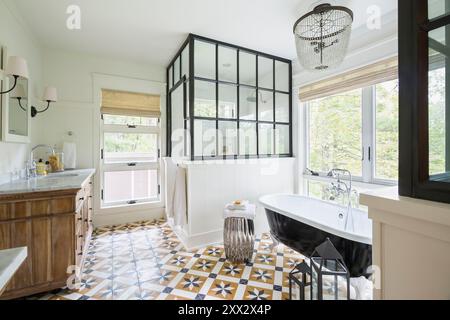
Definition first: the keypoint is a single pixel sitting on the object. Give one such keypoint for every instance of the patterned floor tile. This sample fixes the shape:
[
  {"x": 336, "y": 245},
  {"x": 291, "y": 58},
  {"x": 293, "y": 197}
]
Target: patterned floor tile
[
  {"x": 179, "y": 261},
  {"x": 191, "y": 283},
  {"x": 205, "y": 265},
  {"x": 223, "y": 289},
  {"x": 254, "y": 293},
  {"x": 265, "y": 259},
  {"x": 262, "y": 275},
  {"x": 146, "y": 261},
  {"x": 232, "y": 270},
  {"x": 213, "y": 251},
  {"x": 291, "y": 262}
]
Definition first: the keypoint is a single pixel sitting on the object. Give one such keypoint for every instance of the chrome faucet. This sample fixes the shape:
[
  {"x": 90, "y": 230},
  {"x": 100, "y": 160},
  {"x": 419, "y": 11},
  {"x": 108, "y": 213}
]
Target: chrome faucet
[
  {"x": 31, "y": 163},
  {"x": 336, "y": 189}
]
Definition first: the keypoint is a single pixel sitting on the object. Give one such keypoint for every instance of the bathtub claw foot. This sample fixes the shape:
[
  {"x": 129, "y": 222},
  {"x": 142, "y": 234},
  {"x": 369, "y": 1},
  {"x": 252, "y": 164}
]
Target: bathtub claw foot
[{"x": 275, "y": 243}]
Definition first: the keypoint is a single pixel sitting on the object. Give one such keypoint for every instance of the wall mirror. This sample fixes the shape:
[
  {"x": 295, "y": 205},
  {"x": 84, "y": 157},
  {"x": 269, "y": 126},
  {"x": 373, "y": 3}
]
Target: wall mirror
[{"x": 15, "y": 114}]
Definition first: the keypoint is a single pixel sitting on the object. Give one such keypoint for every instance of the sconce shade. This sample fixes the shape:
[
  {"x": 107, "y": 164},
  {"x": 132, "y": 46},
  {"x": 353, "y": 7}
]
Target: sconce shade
[
  {"x": 17, "y": 66},
  {"x": 19, "y": 92},
  {"x": 50, "y": 94}
]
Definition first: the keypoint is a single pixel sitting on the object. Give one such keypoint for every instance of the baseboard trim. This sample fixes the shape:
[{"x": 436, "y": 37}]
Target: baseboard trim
[
  {"x": 102, "y": 220},
  {"x": 197, "y": 241}
]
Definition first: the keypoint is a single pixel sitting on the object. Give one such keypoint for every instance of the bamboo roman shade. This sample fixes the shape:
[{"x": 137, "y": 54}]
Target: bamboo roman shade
[
  {"x": 130, "y": 104},
  {"x": 382, "y": 71}
]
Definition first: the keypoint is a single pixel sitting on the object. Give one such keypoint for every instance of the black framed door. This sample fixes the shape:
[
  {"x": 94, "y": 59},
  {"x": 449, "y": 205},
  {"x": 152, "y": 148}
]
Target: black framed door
[{"x": 424, "y": 74}]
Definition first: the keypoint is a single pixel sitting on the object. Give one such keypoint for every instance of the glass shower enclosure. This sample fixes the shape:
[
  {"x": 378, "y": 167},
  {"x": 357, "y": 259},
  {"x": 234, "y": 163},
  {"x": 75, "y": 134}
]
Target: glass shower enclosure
[{"x": 228, "y": 102}]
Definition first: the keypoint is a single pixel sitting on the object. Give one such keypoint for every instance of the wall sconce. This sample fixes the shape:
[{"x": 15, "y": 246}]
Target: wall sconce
[
  {"x": 50, "y": 95},
  {"x": 18, "y": 68}
]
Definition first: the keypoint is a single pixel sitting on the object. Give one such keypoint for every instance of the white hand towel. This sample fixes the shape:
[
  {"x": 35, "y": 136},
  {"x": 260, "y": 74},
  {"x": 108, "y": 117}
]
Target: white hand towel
[
  {"x": 242, "y": 206},
  {"x": 248, "y": 213},
  {"x": 179, "y": 198},
  {"x": 70, "y": 155}
]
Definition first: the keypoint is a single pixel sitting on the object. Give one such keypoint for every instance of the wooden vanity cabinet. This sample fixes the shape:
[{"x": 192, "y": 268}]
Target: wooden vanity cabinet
[{"x": 55, "y": 226}]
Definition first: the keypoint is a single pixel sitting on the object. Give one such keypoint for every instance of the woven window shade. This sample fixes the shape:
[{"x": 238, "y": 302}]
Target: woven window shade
[
  {"x": 130, "y": 104},
  {"x": 382, "y": 71}
]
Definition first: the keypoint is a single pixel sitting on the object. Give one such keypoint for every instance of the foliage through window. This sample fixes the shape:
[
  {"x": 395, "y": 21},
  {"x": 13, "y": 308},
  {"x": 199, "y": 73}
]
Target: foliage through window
[
  {"x": 337, "y": 137},
  {"x": 335, "y": 133},
  {"x": 386, "y": 131}
]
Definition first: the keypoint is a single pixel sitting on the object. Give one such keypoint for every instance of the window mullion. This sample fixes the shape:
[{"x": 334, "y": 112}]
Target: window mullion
[{"x": 368, "y": 133}]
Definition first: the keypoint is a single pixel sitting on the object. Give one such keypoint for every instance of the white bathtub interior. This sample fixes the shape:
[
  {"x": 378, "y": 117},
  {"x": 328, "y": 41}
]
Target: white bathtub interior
[{"x": 322, "y": 215}]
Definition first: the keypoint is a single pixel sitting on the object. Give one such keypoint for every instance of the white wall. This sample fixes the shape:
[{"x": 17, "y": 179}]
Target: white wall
[
  {"x": 72, "y": 74},
  {"x": 20, "y": 42}
]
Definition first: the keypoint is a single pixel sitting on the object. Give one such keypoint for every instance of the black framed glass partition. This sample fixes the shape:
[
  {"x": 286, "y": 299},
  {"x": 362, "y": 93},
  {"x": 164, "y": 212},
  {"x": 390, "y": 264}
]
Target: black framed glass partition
[{"x": 228, "y": 102}]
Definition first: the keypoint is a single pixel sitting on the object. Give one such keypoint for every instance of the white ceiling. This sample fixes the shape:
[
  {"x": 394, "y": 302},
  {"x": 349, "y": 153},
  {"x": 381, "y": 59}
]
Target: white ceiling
[{"x": 151, "y": 31}]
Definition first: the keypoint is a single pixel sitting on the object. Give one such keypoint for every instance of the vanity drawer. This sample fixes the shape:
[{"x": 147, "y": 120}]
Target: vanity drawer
[{"x": 80, "y": 198}]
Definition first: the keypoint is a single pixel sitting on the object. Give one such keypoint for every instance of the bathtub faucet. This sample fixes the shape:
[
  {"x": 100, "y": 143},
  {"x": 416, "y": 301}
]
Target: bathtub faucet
[{"x": 341, "y": 188}]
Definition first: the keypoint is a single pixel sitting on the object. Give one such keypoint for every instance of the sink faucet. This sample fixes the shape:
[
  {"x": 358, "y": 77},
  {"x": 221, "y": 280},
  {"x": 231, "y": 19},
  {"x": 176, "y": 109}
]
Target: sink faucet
[
  {"x": 31, "y": 163},
  {"x": 339, "y": 188}
]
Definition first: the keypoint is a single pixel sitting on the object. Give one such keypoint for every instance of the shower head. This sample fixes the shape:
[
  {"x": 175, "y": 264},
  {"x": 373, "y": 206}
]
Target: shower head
[{"x": 253, "y": 99}]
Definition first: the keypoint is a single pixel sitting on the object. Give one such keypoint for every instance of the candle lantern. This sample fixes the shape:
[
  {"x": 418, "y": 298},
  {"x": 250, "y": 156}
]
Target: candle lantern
[
  {"x": 298, "y": 281},
  {"x": 330, "y": 278}
]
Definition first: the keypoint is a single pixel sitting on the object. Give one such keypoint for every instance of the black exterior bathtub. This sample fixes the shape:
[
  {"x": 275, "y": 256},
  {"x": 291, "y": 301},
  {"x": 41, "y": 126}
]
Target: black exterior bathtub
[{"x": 304, "y": 239}]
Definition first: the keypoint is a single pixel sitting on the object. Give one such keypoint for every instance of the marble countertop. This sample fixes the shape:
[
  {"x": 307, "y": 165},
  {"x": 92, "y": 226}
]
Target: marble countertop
[
  {"x": 10, "y": 262},
  {"x": 66, "y": 180}
]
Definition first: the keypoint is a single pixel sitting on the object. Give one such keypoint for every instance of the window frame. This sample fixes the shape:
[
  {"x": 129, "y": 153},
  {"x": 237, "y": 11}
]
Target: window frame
[
  {"x": 368, "y": 138},
  {"x": 129, "y": 165}
]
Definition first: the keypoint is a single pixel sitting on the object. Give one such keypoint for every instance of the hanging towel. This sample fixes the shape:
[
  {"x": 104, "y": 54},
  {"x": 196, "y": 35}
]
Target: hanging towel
[
  {"x": 70, "y": 155},
  {"x": 179, "y": 206},
  {"x": 170, "y": 175}
]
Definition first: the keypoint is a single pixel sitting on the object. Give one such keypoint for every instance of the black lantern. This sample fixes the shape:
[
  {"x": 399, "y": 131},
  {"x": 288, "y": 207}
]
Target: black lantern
[
  {"x": 298, "y": 278},
  {"x": 329, "y": 274}
]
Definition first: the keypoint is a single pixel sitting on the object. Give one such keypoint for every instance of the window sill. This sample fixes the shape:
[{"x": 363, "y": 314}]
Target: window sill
[
  {"x": 356, "y": 182},
  {"x": 130, "y": 207}
]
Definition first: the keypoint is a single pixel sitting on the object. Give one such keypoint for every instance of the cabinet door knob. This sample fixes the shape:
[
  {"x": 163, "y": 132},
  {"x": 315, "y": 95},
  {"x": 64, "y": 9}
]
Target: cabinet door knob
[
  {"x": 80, "y": 219},
  {"x": 81, "y": 199},
  {"x": 80, "y": 236}
]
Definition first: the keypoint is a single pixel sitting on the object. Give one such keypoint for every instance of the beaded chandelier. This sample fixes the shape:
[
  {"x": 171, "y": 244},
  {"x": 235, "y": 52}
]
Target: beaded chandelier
[{"x": 322, "y": 36}]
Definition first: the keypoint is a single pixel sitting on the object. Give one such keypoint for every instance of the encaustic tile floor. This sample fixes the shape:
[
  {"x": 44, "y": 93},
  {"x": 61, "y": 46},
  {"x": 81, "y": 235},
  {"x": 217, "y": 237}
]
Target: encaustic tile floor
[{"x": 146, "y": 261}]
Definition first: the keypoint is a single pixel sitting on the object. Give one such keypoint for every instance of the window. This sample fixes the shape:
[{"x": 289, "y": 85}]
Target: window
[
  {"x": 356, "y": 130},
  {"x": 130, "y": 160},
  {"x": 336, "y": 133},
  {"x": 241, "y": 102},
  {"x": 386, "y": 131}
]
